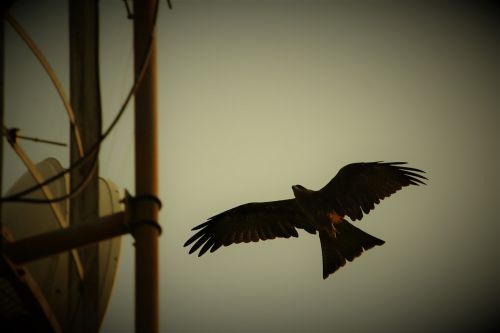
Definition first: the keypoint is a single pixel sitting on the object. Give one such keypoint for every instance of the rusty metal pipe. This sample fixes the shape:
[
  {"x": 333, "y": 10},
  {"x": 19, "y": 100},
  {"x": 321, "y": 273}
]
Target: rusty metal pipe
[
  {"x": 145, "y": 228},
  {"x": 62, "y": 240}
]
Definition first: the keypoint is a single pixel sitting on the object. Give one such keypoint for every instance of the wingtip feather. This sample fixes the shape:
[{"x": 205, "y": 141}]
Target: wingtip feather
[{"x": 199, "y": 226}]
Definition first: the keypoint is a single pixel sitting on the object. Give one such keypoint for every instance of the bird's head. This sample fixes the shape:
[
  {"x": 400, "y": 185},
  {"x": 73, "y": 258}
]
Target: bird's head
[{"x": 299, "y": 190}]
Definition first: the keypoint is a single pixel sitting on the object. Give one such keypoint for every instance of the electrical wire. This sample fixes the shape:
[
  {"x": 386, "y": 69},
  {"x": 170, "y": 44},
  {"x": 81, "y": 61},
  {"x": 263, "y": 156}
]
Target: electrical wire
[
  {"x": 95, "y": 148},
  {"x": 73, "y": 193}
]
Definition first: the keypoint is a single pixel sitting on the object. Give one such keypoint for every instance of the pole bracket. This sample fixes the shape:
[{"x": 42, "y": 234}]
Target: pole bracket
[{"x": 142, "y": 210}]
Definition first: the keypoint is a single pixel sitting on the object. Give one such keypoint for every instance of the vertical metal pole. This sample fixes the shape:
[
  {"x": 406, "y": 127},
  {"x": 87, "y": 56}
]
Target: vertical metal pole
[
  {"x": 146, "y": 174},
  {"x": 84, "y": 208},
  {"x": 4, "y": 7},
  {"x": 2, "y": 86}
]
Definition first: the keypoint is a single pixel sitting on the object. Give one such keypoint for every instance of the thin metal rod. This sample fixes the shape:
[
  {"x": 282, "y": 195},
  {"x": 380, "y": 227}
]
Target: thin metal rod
[
  {"x": 129, "y": 12},
  {"x": 53, "y": 242},
  {"x": 50, "y": 142},
  {"x": 53, "y": 77},
  {"x": 146, "y": 173},
  {"x": 12, "y": 134}
]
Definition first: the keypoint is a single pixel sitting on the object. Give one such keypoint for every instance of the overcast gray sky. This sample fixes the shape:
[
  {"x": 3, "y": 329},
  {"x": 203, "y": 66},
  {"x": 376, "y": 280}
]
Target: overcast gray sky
[{"x": 256, "y": 96}]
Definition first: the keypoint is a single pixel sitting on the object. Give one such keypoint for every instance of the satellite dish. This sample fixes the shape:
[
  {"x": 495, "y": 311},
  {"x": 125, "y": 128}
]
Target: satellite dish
[{"x": 37, "y": 297}]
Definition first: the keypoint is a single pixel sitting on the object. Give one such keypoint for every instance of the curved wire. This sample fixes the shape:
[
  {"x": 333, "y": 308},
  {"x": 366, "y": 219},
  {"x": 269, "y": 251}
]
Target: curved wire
[
  {"x": 11, "y": 138},
  {"x": 73, "y": 193},
  {"x": 52, "y": 75},
  {"x": 95, "y": 148}
]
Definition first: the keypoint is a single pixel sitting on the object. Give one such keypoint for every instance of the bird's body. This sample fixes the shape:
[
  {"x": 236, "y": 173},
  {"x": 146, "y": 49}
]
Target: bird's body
[
  {"x": 353, "y": 191},
  {"x": 311, "y": 206}
]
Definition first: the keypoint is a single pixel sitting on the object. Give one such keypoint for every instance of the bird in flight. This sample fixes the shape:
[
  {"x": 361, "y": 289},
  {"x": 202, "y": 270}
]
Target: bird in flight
[{"x": 354, "y": 191}]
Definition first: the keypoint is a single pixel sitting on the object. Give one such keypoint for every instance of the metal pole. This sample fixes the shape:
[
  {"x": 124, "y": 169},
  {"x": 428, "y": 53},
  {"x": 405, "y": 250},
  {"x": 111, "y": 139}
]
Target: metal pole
[
  {"x": 145, "y": 228},
  {"x": 86, "y": 103},
  {"x": 2, "y": 51},
  {"x": 61, "y": 240}
]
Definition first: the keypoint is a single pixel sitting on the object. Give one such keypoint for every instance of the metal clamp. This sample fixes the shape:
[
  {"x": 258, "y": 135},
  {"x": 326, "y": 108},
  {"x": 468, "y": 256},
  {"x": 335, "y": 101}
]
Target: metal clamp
[{"x": 142, "y": 210}]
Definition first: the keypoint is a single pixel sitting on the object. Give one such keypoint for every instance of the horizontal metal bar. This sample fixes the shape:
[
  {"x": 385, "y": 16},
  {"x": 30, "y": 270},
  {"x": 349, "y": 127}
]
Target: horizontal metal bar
[{"x": 53, "y": 242}]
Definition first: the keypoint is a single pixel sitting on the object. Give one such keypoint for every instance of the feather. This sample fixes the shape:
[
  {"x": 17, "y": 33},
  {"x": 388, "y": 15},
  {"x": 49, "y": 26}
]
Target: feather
[
  {"x": 250, "y": 222},
  {"x": 358, "y": 187}
]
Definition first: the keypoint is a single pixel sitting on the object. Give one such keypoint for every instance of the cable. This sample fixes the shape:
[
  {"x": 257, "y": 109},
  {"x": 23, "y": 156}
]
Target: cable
[
  {"x": 95, "y": 148},
  {"x": 73, "y": 193}
]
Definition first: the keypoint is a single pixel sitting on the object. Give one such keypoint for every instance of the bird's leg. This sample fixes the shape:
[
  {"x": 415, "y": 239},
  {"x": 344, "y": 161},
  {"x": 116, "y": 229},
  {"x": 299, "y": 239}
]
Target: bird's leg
[
  {"x": 332, "y": 231},
  {"x": 333, "y": 219}
]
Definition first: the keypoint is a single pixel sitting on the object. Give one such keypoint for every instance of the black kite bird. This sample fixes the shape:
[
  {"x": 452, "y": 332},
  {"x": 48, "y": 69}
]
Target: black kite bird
[{"x": 353, "y": 191}]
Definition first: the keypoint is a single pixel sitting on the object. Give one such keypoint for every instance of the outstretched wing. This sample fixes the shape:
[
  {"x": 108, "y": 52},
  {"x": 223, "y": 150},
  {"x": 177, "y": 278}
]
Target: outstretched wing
[
  {"x": 358, "y": 187},
  {"x": 250, "y": 222}
]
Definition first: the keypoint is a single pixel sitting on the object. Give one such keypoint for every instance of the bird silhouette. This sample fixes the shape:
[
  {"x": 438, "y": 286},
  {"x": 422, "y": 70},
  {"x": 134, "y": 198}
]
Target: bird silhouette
[{"x": 354, "y": 191}]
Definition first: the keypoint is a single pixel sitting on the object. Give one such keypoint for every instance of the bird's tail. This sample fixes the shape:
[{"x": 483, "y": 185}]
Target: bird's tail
[{"x": 348, "y": 244}]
